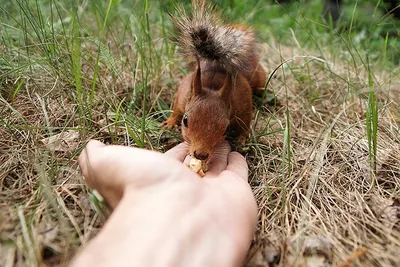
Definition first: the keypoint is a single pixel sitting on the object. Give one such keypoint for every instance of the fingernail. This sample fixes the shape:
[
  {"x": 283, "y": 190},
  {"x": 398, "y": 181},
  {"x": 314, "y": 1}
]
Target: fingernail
[{"x": 187, "y": 159}]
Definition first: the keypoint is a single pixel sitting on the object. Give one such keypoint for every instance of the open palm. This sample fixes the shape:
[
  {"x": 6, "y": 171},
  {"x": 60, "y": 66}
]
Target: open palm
[{"x": 196, "y": 221}]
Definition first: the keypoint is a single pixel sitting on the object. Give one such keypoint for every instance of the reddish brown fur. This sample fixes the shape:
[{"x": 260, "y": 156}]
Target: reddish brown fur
[{"x": 208, "y": 111}]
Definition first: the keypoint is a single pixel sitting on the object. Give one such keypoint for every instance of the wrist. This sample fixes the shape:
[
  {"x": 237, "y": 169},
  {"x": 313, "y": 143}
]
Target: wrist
[{"x": 162, "y": 228}]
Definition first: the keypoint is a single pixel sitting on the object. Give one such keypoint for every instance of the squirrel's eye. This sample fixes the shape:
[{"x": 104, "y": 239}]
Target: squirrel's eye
[{"x": 185, "y": 120}]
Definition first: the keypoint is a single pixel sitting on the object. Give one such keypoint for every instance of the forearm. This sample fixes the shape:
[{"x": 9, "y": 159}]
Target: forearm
[{"x": 180, "y": 236}]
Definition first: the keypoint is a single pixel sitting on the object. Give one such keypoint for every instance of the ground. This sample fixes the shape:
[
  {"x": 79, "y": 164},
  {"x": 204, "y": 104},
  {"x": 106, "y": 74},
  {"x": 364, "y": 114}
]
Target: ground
[{"x": 323, "y": 153}]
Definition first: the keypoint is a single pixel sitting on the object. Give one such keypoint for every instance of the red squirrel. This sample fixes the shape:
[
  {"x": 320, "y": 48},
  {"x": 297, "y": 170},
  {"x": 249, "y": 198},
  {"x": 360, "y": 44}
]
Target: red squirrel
[{"x": 218, "y": 92}]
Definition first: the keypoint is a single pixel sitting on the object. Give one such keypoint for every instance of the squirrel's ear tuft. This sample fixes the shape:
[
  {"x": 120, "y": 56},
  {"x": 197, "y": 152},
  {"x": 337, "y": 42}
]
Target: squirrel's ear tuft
[
  {"x": 196, "y": 83},
  {"x": 226, "y": 90}
]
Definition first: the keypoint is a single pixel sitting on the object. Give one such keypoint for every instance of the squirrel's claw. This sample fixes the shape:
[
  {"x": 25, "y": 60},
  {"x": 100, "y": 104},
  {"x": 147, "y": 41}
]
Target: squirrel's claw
[
  {"x": 241, "y": 140},
  {"x": 168, "y": 125}
]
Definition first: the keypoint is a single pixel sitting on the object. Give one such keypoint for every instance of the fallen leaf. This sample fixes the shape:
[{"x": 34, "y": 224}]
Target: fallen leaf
[
  {"x": 63, "y": 142},
  {"x": 316, "y": 261},
  {"x": 387, "y": 210},
  {"x": 266, "y": 252},
  {"x": 357, "y": 254},
  {"x": 318, "y": 252},
  {"x": 49, "y": 234},
  {"x": 321, "y": 246}
]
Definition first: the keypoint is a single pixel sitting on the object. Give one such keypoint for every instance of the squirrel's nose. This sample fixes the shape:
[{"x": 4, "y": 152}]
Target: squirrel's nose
[{"x": 200, "y": 156}]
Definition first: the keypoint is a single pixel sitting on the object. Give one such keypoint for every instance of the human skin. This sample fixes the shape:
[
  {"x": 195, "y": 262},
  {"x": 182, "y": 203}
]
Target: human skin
[{"x": 164, "y": 214}]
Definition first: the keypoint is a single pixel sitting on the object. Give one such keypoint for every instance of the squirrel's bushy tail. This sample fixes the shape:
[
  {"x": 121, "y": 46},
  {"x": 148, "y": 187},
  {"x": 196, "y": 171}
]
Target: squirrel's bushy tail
[{"x": 204, "y": 35}]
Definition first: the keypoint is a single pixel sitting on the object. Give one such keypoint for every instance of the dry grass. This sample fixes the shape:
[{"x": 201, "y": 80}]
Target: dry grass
[
  {"x": 319, "y": 204},
  {"x": 330, "y": 199}
]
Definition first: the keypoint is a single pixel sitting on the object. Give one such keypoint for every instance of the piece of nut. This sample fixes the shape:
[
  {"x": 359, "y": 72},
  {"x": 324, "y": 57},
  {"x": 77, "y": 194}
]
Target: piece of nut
[{"x": 198, "y": 166}]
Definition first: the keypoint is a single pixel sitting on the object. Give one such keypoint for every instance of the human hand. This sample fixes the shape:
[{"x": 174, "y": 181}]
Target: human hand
[{"x": 165, "y": 214}]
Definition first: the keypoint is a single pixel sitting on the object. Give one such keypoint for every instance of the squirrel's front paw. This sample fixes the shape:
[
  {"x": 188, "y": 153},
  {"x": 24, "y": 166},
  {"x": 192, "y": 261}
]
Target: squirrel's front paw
[
  {"x": 169, "y": 124},
  {"x": 241, "y": 140}
]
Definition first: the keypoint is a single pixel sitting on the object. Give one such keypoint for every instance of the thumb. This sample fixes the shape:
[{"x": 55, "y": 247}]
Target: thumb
[
  {"x": 110, "y": 169},
  {"x": 178, "y": 152},
  {"x": 237, "y": 164}
]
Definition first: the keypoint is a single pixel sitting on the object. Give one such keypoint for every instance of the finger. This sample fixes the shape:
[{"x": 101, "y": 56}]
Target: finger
[
  {"x": 237, "y": 164},
  {"x": 187, "y": 159},
  {"x": 88, "y": 162},
  {"x": 219, "y": 159},
  {"x": 84, "y": 162},
  {"x": 109, "y": 169},
  {"x": 112, "y": 165},
  {"x": 178, "y": 152}
]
